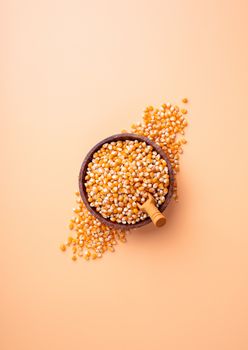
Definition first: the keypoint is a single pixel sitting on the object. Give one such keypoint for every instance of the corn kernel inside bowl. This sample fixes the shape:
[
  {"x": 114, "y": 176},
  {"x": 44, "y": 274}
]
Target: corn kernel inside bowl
[{"x": 120, "y": 176}]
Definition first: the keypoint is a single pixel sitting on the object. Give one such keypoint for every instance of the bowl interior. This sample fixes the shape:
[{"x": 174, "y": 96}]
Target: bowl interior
[{"x": 88, "y": 159}]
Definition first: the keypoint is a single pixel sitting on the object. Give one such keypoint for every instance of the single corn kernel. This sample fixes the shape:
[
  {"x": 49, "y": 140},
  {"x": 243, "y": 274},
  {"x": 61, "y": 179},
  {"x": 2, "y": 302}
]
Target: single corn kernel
[
  {"x": 63, "y": 247},
  {"x": 69, "y": 240}
]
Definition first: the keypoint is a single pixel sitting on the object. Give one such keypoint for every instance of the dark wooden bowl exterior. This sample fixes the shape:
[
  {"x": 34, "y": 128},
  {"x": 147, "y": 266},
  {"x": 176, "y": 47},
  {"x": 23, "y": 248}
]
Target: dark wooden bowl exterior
[{"x": 88, "y": 159}]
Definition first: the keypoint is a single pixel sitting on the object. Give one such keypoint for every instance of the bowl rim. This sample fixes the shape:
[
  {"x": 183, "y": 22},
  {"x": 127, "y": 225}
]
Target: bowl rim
[{"x": 88, "y": 158}]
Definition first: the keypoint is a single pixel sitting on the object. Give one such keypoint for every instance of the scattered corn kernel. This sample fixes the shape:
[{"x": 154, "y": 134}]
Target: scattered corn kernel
[
  {"x": 185, "y": 100},
  {"x": 92, "y": 238}
]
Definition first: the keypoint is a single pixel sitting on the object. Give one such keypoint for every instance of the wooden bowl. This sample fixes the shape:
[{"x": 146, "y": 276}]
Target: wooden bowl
[{"x": 88, "y": 159}]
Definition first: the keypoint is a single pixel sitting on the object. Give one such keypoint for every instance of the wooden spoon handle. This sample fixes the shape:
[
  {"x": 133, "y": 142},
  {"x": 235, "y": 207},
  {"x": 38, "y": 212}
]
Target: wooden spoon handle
[{"x": 156, "y": 216}]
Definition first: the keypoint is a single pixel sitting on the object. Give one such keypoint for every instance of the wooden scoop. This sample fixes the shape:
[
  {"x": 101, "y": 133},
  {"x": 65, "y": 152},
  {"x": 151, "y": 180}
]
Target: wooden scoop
[{"x": 150, "y": 208}]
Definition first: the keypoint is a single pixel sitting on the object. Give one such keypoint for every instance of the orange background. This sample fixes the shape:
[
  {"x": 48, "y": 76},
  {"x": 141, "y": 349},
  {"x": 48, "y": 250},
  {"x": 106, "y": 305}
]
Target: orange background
[{"x": 72, "y": 73}]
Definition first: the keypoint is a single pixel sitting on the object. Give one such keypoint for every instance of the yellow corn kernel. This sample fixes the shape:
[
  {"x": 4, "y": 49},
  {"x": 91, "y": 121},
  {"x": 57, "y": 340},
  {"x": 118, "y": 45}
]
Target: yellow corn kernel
[
  {"x": 63, "y": 247},
  {"x": 69, "y": 240}
]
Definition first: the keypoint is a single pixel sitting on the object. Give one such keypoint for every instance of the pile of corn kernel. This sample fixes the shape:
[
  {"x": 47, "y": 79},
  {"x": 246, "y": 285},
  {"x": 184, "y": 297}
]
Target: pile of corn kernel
[
  {"x": 119, "y": 177},
  {"x": 163, "y": 126},
  {"x": 89, "y": 237}
]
